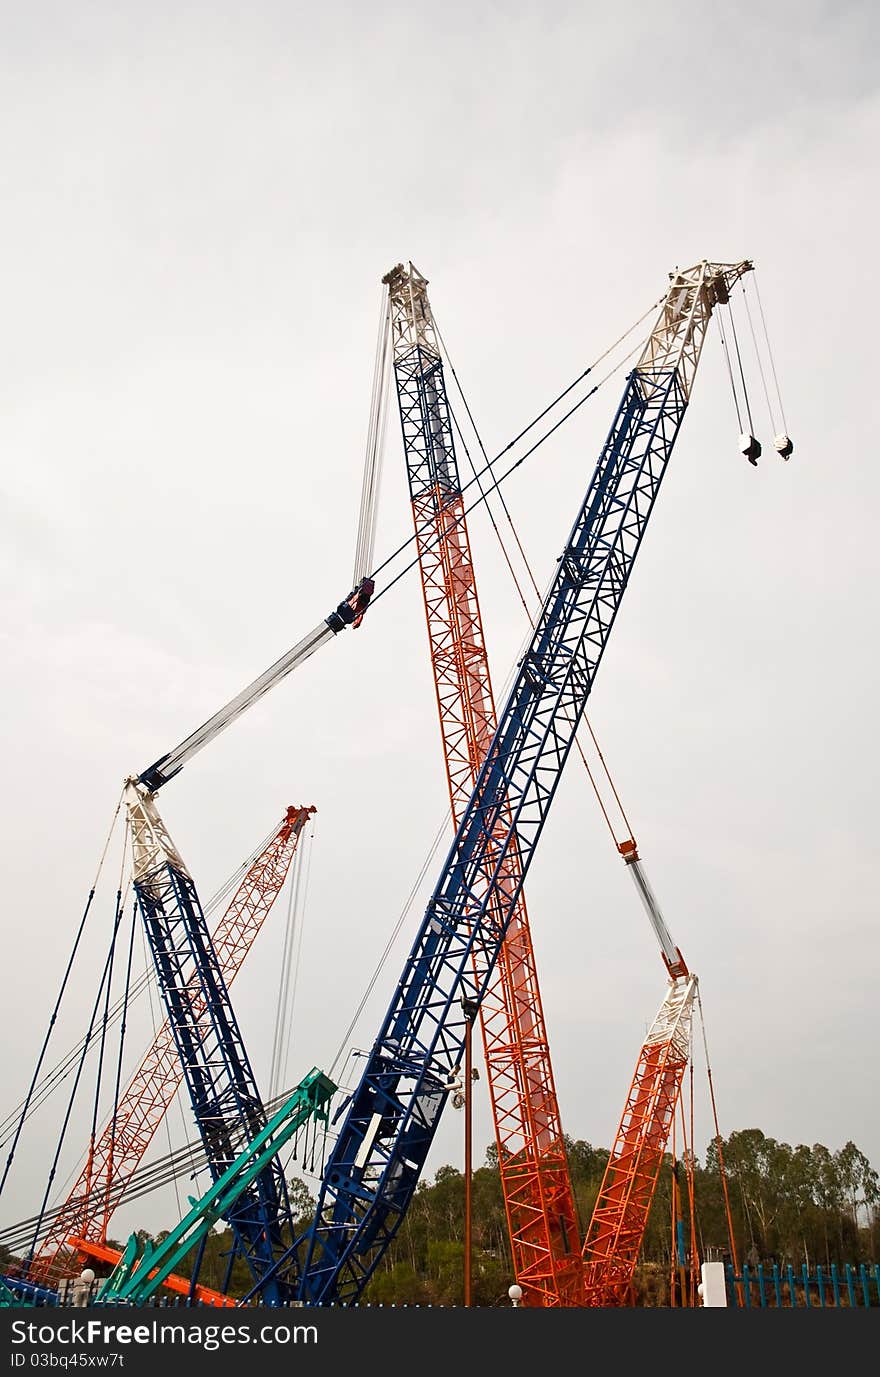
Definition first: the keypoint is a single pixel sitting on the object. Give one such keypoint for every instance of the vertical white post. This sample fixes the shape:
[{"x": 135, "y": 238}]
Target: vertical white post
[{"x": 712, "y": 1288}]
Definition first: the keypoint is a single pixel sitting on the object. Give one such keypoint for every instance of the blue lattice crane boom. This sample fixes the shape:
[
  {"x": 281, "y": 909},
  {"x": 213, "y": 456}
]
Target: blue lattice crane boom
[
  {"x": 393, "y": 1113},
  {"x": 222, "y": 1088},
  {"x": 535, "y": 1182}
]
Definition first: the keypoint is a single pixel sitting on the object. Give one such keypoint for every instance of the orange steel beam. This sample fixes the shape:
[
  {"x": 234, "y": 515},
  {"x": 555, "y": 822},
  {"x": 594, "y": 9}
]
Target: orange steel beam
[
  {"x": 121, "y": 1145},
  {"x": 102, "y": 1252},
  {"x": 541, "y": 1212},
  {"x": 617, "y": 1228},
  {"x": 539, "y": 1201}
]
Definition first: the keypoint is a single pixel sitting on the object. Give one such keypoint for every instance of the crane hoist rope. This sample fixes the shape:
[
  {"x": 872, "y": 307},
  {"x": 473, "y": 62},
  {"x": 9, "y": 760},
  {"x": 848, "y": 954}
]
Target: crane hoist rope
[
  {"x": 290, "y": 963},
  {"x": 782, "y": 442},
  {"x": 770, "y": 355},
  {"x": 722, "y": 1172},
  {"x": 749, "y": 444}
]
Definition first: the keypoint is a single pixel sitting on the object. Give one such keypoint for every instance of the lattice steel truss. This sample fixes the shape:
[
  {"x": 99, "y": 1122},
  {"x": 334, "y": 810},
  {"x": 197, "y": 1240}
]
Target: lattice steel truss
[
  {"x": 392, "y": 1115},
  {"x": 541, "y": 1212},
  {"x": 614, "y": 1238},
  {"x": 223, "y": 1092},
  {"x": 120, "y": 1146}
]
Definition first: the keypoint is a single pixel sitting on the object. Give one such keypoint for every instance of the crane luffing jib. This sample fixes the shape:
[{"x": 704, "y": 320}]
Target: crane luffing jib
[
  {"x": 672, "y": 957},
  {"x": 349, "y": 612},
  {"x": 393, "y": 1113},
  {"x": 221, "y": 1084},
  {"x": 538, "y": 1197}
]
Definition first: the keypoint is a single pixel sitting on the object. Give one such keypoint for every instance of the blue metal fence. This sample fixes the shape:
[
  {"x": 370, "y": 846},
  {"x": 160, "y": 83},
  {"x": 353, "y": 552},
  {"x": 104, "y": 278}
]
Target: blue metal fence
[{"x": 851, "y": 1286}]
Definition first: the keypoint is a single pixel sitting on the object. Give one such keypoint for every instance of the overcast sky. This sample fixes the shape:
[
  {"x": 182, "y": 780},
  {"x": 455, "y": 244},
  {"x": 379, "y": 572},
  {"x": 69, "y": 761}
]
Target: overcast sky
[{"x": 200, "y": 201}]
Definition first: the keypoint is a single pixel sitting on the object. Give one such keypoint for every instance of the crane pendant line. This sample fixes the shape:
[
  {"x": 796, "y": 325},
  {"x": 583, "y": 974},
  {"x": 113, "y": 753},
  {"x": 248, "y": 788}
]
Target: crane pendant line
[
  {"x": 374, "y": 1168},
  {"x": 222, "y": 1088}
]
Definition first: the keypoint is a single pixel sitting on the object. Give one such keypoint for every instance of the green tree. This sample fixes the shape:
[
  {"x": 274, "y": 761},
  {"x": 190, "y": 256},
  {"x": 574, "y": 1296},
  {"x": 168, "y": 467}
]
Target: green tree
[
  {"x": 788, "y": 1204},
  {"x": 858, "y": 1181},
  {"x": 302, "y": 1202}
]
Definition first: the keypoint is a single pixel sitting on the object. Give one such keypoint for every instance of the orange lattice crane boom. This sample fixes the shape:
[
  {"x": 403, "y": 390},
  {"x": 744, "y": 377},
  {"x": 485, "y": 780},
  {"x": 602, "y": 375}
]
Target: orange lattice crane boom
[
  {"x": 539, "y": 1202},
  {"x": 620, "y": 1215},
  {"x": 617, "y": 1227}
]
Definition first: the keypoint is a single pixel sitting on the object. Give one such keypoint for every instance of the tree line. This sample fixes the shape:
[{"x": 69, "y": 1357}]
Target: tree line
[{"x": 785, "y": 1205}]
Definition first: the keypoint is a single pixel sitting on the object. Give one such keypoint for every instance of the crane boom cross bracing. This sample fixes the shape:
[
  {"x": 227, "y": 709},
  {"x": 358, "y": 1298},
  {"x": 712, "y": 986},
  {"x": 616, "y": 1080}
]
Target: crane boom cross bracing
[
  {"x": 617, "y": 1227},
  {"x": 136, "y": 1278},
  {"x": 120, "y": 1147},
  {"x": 392, "y": 1114},
  {"x": 539, "y": 1201},
  {"x": 620, "y": 1215},
  {"x": 219, "y": 1078}
]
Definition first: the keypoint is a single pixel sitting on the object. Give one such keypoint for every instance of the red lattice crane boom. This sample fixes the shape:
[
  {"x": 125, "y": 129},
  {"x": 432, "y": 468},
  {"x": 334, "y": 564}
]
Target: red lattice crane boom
[
  {"x": 539, "y": 1201},
  {"x": 617, "y": 1227}
]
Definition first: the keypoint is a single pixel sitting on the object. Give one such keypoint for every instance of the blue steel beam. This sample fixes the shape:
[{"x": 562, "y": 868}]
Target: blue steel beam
[
  {"x": 222, "y": 1088},
  {"x": 374, "y": 1168}
]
